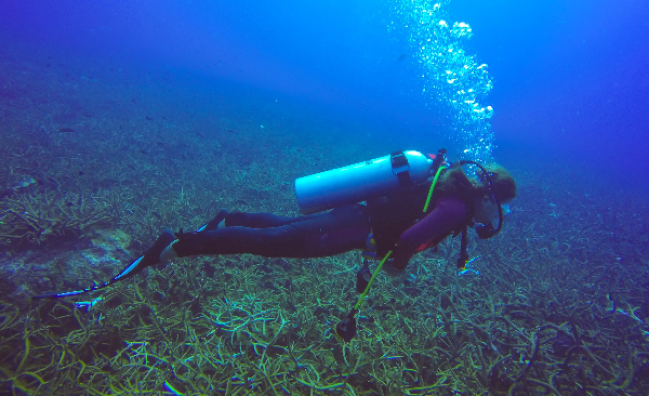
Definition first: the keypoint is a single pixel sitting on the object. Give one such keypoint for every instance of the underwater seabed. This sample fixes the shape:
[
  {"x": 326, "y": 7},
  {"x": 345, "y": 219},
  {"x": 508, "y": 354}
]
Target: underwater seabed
[
  {"x": 559, "y": 304},
  {"x": 552, "y": 311}
]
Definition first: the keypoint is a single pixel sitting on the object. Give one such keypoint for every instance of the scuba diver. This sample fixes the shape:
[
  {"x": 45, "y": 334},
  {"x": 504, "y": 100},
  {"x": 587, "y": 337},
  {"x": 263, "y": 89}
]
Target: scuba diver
[{"x": 391, "y": 207}]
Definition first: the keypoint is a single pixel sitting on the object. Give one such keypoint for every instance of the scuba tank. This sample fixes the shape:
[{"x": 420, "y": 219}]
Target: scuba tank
[{"x": 361, "y": 181}]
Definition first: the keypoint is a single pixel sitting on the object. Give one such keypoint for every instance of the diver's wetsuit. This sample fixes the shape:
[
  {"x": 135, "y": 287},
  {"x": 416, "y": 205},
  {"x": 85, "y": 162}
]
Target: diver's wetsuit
[
  {"x": 318, "y": 235},
  {"x": 449, "y": 216},
  {"x": 340, "y": 230}
]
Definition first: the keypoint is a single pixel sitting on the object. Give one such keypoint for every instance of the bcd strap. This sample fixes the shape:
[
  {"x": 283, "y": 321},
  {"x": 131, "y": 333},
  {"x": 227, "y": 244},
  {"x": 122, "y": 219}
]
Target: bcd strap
[{"x": 401, "y": 168}]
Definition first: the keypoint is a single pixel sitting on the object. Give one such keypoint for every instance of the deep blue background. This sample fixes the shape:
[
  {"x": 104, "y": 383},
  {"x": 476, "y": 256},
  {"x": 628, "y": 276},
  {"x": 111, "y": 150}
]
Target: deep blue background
[{"x": 571, "y": 77}]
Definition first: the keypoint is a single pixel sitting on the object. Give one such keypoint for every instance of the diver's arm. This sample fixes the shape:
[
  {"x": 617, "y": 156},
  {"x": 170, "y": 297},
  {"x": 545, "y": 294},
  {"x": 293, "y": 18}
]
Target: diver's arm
[{"x": 449, "y": 214}]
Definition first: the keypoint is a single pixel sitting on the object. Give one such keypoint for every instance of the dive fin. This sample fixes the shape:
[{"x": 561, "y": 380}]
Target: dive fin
[
  {"x": 128, "y": 271},
  {"x": 151, "y": 257}
]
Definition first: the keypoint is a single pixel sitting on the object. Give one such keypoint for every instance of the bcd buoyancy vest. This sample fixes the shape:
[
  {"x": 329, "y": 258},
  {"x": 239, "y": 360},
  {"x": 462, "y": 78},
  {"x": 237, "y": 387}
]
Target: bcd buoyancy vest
[{"x": 393, "y": 214}]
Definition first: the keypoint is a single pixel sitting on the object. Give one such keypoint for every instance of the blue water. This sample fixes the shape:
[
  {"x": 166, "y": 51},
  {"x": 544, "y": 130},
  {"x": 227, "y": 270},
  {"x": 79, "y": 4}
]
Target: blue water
[
  {"x": 161, "y": 111},
  {"x": 568, "y": 78}
]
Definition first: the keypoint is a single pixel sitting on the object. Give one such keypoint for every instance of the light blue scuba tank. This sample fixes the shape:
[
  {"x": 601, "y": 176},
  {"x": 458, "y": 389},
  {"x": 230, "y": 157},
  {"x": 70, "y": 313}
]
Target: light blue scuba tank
[{"x": 361, "y": 181}]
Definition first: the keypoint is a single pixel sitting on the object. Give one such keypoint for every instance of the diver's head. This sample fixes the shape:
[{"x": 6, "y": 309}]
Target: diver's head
[
  {"x": 504, "y": 186},
  {"x": 485, "y": 210}
]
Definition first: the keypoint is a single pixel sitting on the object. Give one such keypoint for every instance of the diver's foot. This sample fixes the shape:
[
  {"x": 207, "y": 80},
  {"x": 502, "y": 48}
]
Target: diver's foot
[
  {"x": 214, "y": 223},
  {"x": 168, "y": 254},
  {"x": 152, "y": 256}
]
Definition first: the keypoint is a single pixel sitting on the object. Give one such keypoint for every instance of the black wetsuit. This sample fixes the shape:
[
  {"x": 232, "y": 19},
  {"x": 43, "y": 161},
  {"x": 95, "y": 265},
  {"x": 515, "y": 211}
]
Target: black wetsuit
[
  {"x": 323, "y": 234},
  {"x": 397, "y": 223}
]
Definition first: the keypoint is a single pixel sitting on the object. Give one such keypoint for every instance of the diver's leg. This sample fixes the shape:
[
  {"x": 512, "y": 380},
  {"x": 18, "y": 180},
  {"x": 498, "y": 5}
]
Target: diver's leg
[
  {"x": 215, "y": 222},
  {"x": 251, "y": 220},
  {"x": 338, "y": 231},
  {"x": 265, "y": 220}
]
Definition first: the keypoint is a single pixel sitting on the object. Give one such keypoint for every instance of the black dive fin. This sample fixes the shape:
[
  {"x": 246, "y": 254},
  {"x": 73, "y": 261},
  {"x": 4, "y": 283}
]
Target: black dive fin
[
  {"x": 149, "y": 258},
  {"x": 129, "y": 271}
]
